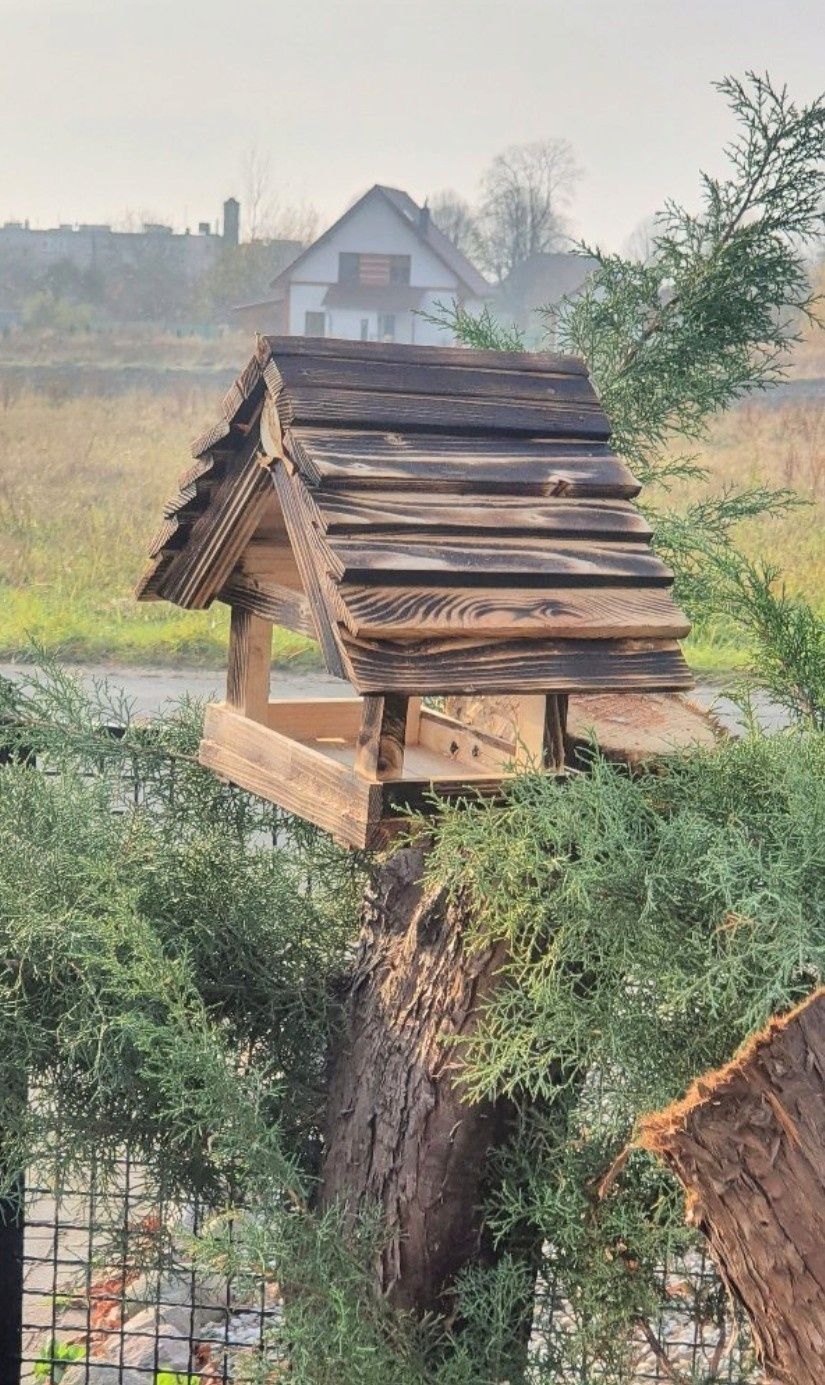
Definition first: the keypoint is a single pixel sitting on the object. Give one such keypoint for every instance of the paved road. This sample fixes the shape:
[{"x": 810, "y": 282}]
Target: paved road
[{"x": 149, "y": 689}]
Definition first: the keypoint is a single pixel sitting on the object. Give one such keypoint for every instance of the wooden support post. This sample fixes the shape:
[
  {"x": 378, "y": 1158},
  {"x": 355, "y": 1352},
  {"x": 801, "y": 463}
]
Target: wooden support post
[
  {"x": 379, "y": 749},
  {"x": 748, "y": 1144},
  {"x": 541, "y": 727},
  {"x": 250, "y": 657}
]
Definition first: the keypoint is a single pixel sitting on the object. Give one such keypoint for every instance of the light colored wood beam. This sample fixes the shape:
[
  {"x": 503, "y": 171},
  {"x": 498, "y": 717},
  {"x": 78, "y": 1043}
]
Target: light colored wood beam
[{"x": 250, "y": 658}]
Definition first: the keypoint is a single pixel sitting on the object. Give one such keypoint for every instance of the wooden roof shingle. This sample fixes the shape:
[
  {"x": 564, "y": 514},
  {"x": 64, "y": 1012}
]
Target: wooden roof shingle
[{"x": 458, "y": 519}]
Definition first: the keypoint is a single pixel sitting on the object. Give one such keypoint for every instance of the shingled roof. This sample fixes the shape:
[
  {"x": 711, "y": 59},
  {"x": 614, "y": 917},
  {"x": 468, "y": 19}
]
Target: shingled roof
[{"x": 457, "y": 520}]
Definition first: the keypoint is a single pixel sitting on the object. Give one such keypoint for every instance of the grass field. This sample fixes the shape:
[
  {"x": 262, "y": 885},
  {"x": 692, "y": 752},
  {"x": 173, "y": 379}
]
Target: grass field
[{"x": 82, "y": 482}]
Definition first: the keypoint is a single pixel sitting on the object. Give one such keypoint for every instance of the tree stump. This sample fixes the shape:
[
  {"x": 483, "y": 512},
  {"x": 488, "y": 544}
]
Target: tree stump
[{"x": 748, "y": 1144}]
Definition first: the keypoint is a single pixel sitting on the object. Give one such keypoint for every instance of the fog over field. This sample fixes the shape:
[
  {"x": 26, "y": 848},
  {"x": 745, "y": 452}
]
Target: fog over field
[{"x": 151, "y": 107}]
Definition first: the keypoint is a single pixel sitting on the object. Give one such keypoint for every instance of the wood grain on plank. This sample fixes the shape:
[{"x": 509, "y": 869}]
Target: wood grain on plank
[
  {"x": 421, "y": 377},
  {"x": 278, "y": 604},
  {"x": 298, "y": 777},
  {"x": 288, "y": 493},
  {"x": 539, "y": 362},
  {"x": 492, "y": 561},
  {"x": 415, "y": 612},
  {"x": 350, "y": 512},
  {"x": 493, "y": 666},
  {"x": 303, "y": 406},
  {"x": 379, "y": 747},
  {"x": 219, "y": 535},
  {"x": 421, "y": 461},
  {"x": 250, "y": 659}
]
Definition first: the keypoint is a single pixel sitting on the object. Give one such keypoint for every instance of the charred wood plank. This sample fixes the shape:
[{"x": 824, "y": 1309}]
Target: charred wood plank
[
  {"x": 461, "y": 464},
  {"x": 493, "y": 561},
  {"x": 376, "y": 512},
  {"x": 415, "y": 612},
  {"x": 302, "y": 405},
  {"x": 492, "y": 666}
]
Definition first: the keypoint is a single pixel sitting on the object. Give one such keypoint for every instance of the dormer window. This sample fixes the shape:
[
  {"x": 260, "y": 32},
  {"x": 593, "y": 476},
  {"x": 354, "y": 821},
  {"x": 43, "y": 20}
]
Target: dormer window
[{"x": 373, "y": 271}]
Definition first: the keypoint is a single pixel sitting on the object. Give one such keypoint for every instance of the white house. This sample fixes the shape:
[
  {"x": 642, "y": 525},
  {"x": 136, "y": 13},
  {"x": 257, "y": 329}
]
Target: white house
[{"x": 370, "y": 277}]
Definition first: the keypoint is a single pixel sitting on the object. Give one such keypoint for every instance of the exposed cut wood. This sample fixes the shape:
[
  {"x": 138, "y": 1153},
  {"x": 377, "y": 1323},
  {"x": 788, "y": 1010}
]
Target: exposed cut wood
[
  {"x": 279, "y": 605},
  {"x": 630, "y": 728},
  {"x": 540, "y": 730},
  {"x": 303, "y": 759},
  {"x": 748, "y": 1143}
]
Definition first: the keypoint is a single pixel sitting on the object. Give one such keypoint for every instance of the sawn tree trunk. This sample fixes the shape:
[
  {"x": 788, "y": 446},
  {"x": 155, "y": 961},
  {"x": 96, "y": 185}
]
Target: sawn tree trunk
[{"x": 748, "y": 1143}]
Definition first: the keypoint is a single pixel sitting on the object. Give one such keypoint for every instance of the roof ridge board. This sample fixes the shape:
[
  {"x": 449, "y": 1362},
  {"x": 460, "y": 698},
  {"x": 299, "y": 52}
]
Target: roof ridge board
[
  {"x": 447, "y": 378},
  {"x": 539, "y": 362}
]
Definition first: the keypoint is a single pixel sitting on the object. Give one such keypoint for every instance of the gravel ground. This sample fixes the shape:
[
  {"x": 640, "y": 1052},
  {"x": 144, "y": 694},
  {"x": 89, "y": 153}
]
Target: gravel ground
[{"x": 150, "y": 688}]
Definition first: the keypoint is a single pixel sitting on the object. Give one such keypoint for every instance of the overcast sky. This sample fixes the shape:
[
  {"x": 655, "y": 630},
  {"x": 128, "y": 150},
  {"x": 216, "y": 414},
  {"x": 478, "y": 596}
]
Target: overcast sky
[{"x": 150, "y": 106}]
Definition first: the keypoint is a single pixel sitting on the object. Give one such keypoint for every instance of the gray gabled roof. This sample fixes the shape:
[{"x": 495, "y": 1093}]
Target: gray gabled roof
[{"x": 422, "y": 226}]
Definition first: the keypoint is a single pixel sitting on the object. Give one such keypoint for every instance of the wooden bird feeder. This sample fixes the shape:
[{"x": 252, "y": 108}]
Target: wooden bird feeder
[{"x": 444, "y": 522}]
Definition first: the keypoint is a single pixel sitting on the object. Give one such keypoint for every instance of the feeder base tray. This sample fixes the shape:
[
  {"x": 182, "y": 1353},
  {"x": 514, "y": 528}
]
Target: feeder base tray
[{"x": 302, "y": 757}]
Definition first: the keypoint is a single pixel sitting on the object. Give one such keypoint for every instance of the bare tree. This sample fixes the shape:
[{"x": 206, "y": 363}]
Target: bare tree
[
  {"x": 640, "y": 243},
  {"x": 525, "y": 192},
  {"x": 257, "y": 191},
  {"x": 266, "y": 218},
  {"x": 454, "y": 216}
]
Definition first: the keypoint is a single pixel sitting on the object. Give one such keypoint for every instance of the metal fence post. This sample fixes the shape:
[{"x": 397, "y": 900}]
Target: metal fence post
[
  {"x": 12, "y": 1231},
  {"x": 12, "y": 1228}
]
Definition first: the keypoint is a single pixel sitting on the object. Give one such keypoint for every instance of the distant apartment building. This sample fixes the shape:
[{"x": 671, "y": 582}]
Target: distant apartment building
[
  {"x": 30, "y": 256},
  {"x": 371, "y": 277},
  {"x": 98, "y": 247}
]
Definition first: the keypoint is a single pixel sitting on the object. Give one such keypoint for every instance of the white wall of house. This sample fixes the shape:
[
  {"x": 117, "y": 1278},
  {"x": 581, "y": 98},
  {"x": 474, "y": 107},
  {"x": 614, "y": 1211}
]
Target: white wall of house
[{"x": 375, "y": 228}]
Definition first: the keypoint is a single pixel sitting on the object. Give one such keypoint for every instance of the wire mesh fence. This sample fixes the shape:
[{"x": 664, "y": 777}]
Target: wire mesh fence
[
  {"x": 110, "y": 1296},
  {"x": 98, "y": 1286}
]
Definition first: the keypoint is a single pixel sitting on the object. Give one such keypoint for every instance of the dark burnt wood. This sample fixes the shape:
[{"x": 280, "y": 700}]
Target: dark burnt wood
[
  {"x": 446, "y": 521},
  {"x": 460, "y": 465}
]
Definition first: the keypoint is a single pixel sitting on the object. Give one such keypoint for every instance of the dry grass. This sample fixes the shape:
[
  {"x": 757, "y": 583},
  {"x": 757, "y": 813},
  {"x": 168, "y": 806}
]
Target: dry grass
[
  {"x": 82, "y": 483},
  {"x": 780, "y": 444}
]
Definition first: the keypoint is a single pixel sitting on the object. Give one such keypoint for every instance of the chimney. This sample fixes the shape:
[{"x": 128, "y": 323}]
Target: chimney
[
  {"x": 231, "y": 221},
  {"x": 424, "y": 219}
]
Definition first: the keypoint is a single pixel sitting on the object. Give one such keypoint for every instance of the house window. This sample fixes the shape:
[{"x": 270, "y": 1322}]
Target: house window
[
  {"x": 349, "y": 267},
  {"x": 386, "y": 327},
  {"x": 399, "y": 269},
  {"x": 314, "y": 324},
  {"x": 373, "y": 271},
  {"x": 365, "y": 329}
]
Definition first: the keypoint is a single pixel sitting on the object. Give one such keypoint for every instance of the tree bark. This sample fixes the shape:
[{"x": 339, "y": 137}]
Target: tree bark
[
  {"x": 401, "y": 1136},
  {"x": 748, "y": 1144}
]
